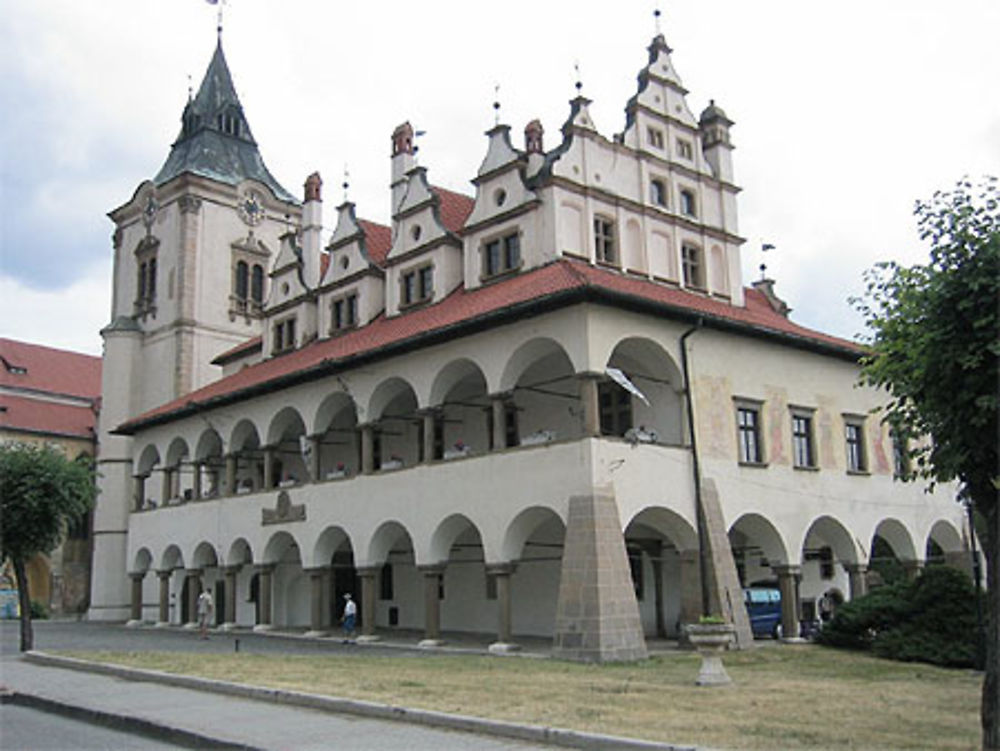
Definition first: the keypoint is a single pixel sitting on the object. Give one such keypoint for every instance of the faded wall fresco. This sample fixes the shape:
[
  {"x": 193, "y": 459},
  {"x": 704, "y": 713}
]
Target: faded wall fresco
[
  {"x": 775, "y": 420},
  {"x": 714, "y": 411}
]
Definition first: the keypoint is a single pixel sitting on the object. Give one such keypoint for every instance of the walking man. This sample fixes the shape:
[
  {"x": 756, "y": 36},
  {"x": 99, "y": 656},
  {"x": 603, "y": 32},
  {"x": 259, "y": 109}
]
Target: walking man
[
  {"x": 349, "y": 618},
  {"x": 206, "y": 606}
]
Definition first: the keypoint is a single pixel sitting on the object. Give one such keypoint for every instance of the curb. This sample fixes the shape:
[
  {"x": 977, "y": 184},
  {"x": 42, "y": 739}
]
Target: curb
[
  {"x": 373, "y": 710},
  {"x": 125, "y": 723}
]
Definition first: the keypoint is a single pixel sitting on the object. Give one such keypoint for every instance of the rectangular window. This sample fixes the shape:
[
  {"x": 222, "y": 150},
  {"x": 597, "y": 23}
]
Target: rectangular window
[
  {"x": 502, "y": 255},
  {"x": 426, "y": 282},
  {"x": 417, "y": 285},
  {"x": 615, "y": 405},
  {"x": 802, "y": 441},
  {"x": 688, "y": 206},
  {"x": 604, "y": 239},
  {"x": 748, "y": 429},
  {"x": 284, "y": 335},
  {"x": 693, "y": 268},
  {"x": 657, "y": 192},
  {"x": 345, "y": 313},
  {"x": 409, "y": 287},
  {"x": 684, "y": 149},
  {"x": 385, "y": 583},
  {"x": 654, "y": 137},
  {"x": 338, "y": 314},
  {"x": 854, "y": 435}
]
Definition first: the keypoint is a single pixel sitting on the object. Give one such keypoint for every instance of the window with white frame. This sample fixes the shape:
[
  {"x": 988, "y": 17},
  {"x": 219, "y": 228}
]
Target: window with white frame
[
  {"x": 657, "y": 192},
  {"x": 693, "y": 266},
  {"x": 748, "y": 433},
  {"x": 501, "y": 255},
  {"x": 854, "y": 439},
  {"x": 654, "y": 137},
  {"x": 615, "y": 406},
  {"x": 689, "y": 206},
  {"x": 604, "y": 240},
  {"x": 803, "y": 449},
  {"x": 284, "y": 335},
  {"x": 684, "y": 149}
]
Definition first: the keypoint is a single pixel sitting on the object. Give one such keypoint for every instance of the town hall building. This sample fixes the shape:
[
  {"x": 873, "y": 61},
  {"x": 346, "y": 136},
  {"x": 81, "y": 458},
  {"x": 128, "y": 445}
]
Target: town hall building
[{"x": 549, "y": 408}]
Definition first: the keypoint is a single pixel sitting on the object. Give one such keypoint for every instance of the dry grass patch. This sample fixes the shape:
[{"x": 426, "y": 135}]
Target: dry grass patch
[{"x": 804, "y": 697}]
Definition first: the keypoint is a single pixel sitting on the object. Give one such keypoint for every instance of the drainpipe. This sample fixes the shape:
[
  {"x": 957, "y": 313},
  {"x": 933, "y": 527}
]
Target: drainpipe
[{"x": 696, "y": 470}]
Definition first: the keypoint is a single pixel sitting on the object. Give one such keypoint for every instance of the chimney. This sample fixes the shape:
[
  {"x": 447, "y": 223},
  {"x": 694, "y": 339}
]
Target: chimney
[
  {"x": 312, "y": 229},
  {"x": 402, "y": 162},
  {"x": 533, "y": 145}
]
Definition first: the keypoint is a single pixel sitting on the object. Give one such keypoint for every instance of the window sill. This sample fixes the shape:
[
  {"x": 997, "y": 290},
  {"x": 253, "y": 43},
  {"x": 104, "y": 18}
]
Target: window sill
[
  {"x": 754, "y": 465},
  {"x": 505, "y": 274},
  {"x": 404, "y": 306},
  {"x": 810, "y": 468},
  {"x": 859, "y": 472},
  {"x": 608, "y": 264}
]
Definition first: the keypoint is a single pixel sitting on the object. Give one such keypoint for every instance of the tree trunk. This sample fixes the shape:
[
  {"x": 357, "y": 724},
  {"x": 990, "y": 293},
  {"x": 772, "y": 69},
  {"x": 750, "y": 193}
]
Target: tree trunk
[
  {"x": 990, "y": 711},
  {"x": 24, "y": 599}
]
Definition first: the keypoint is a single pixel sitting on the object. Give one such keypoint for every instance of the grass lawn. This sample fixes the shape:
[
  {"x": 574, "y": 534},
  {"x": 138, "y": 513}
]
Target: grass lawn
[{"x": 784, "y": 698}]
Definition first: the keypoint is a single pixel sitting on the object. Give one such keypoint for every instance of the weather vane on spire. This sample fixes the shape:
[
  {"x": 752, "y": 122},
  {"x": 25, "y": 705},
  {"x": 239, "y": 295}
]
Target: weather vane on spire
[
  {"x": 218, "y": 24},
  {"x": 347, "y": 181},
  {"x": 656, "y": 17},
  {"x": 579, "y": 83},
  {"x": 764, "y": 247},
  {"x": 496, "y": 104}
]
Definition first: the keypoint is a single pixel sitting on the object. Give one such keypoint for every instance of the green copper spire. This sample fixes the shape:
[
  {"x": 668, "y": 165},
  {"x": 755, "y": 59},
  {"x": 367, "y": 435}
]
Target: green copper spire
[{"x": 215, "y": 139}]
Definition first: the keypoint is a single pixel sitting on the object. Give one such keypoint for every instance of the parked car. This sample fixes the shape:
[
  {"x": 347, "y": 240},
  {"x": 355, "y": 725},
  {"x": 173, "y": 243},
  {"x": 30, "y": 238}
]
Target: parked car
[{"x": 764, "y": 610}]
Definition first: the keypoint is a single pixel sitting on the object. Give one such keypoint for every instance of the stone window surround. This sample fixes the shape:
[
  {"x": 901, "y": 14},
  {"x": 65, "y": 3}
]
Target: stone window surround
[
  {"x": 349, "y": 301},
  {"x": 756, "y": 407},
  {"x": 855, "y": 450},
  {"x": 505, "y": 268},
  {"x": 284, "y": 333},
  {"x": 803, "y": 417},
  {"x": 421, "y": 296},
  {"x": 605, "y": 245},
  {"x": 693, "y": 268}
]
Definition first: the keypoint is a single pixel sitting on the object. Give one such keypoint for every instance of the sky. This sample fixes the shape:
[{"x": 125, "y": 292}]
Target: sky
[{"x": 845, "y": 114}]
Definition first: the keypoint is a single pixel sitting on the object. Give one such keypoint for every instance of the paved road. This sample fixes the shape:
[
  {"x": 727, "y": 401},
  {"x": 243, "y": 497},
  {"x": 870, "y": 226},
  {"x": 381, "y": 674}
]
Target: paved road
[{"x": 27, "y": 729}]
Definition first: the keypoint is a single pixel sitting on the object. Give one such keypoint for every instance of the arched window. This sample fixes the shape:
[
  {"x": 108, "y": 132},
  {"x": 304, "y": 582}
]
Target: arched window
[
  {"x": 242, "y": 280},
  {"x": 257, "y": 284}
]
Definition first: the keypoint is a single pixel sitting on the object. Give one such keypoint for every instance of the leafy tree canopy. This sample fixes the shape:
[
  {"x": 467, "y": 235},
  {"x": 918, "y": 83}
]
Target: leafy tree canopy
[
  {"x": 935, "y": 343},
  {"x": 40, "y": 492}
]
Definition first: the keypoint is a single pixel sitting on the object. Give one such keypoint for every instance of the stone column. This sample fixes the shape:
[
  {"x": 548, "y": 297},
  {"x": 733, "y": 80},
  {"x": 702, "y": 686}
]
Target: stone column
[
  {"x": 264, "y": 593},
  {"x": 229, "y": 606},
  {"x": 316, "y": 601},
  {"x": 315, "y": 463},
  {"x": 166, "y": 485},
  {"x": 788, "y": 582},
  {"x": 197, "y": 467},
  {"x": 230, "y": 488},
  {"x": 269, "y": 468},
  {"x": 690, "y": 586},
  {"x": 857, "y": 577},
  {"x": 193, "y": 576},
  {"x": 432, "y": 606},
  {"x": 367, "y": 448},
  {"x": 135, "y": 616},
  {"x": 498, "y": 405},
  {"x": 139, "y": 487},
  {"x": 369, "y": 576},
  {"x": 590, "y": 403},
  {"x": 505, "y": 640},
  {"x": 427, "y": 434},
  {"x": 912, "y": 567},
  {"x": 164, "y": 577}
]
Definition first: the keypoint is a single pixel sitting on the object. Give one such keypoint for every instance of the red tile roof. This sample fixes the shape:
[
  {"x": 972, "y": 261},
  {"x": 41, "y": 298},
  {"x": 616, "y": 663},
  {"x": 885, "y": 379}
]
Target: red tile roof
[
  {"x": 520, "y": 293},
  {"x": 56, "y": 371},
  {"x": 455, "y": 208},
  {"x": 43, "y": 417},
  {"x": 241, "y": 349},
  {"x": 378, "y": 240}
]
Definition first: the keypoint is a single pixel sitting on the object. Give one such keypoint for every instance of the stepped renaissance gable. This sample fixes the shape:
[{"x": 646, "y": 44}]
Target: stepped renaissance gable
[{"x": 547, "y": 409}]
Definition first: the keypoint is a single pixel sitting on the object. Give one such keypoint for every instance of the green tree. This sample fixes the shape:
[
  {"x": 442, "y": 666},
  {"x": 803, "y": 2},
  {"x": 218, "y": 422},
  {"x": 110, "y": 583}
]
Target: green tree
[
  {"x": 935, "y": 348},
  {"x": 41, "y": 492}
]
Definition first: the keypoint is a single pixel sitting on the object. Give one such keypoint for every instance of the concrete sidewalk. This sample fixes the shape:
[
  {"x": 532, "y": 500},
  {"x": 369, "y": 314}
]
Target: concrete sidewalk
[{"x": 202, "y": 713}]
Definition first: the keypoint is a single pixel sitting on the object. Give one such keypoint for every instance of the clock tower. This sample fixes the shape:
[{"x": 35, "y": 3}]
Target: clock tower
[{"x": 192, "y": 252}]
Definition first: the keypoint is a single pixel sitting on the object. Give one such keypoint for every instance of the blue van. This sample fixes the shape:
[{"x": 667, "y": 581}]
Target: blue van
[{"x": 764, "y": 610}]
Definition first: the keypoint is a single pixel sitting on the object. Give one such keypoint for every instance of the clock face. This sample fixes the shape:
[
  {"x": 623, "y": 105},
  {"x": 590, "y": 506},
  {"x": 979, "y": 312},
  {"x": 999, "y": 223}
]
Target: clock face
[{"x": 251, "y": 208}]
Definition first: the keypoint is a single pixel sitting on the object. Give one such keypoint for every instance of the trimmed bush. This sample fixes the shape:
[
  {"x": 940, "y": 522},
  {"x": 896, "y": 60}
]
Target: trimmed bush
[
  {"x": 932, "y": 619},
  {"x": 39, "y": 611}
]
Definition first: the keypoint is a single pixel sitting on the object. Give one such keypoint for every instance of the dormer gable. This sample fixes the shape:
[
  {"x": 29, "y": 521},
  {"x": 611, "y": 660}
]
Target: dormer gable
[
  {"x": 418, "y": 224},
  {"x": 500, "y": 184}
]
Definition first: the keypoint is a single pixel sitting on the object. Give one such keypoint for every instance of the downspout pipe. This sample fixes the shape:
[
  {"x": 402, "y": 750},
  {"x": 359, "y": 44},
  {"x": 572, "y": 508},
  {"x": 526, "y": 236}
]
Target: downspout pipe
[{"x": 696, "y": 470}]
